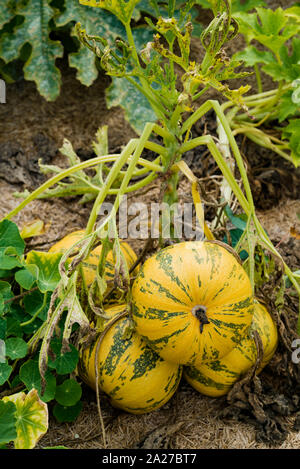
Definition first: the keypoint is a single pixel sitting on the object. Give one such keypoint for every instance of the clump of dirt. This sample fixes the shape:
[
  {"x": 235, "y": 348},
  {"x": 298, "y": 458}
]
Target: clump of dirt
[{"x": 18, "y": 167}]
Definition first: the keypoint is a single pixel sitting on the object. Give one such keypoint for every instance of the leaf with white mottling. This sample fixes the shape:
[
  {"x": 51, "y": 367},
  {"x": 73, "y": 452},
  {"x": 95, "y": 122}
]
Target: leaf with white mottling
[
  {"x": 40, "y": 66},
  {"x": 136, "y": 107}
]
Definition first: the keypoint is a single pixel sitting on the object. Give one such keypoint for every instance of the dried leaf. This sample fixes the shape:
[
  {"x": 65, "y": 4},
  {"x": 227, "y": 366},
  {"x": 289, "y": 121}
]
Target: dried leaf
[
  {"x": 295, "y": 232},
  {"x": 33, "y": 228}
]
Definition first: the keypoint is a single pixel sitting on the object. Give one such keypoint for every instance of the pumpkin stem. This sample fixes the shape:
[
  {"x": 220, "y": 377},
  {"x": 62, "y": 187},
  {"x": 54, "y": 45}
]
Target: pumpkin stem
[{"x": 199, "y": 311}]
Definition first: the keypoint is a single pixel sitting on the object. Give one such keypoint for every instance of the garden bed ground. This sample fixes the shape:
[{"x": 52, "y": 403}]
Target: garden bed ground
[{"x": 31, "y": 128}]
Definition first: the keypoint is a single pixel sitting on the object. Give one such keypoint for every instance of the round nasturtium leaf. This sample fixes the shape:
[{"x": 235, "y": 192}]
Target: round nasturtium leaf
[
  {"x": 30, "y": 375},
  {"x": 32, "y": 418},
  {"x": 16, "y": 348},
  {"x": 67, "y": 413},
  {"x": 64, "y": 363},
  {"x": 68, "y": 393}
]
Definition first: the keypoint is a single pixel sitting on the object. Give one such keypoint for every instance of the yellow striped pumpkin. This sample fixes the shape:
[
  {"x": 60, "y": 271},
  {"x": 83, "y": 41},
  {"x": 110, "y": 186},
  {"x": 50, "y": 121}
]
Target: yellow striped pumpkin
[
  {"x": 192, "y": 302},
  {"x": 217, "y": 377},
  {"x": 90, "y": 264},
  {"x": 135, "y": 378}
]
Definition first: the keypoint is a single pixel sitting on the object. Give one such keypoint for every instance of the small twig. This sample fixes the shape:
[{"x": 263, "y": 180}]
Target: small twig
[
  {"x": 9, "y": 392},
  {"x": 18, "y": 297}
]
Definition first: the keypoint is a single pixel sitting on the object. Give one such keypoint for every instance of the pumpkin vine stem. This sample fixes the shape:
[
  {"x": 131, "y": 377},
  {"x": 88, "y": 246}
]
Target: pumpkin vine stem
[{"x": 199, "y": 311}]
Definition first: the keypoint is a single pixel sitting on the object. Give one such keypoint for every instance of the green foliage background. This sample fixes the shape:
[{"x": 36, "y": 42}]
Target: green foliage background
[{"x": 35, "y": 33}]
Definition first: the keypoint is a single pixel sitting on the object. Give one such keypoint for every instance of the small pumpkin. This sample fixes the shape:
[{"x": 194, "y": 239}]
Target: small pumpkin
[
  {"x": 136, "y": 379},
  {"x": 192, "y": 302},
  {"x": 90, "y": 264},
  {"x": 217, "y": 377}
]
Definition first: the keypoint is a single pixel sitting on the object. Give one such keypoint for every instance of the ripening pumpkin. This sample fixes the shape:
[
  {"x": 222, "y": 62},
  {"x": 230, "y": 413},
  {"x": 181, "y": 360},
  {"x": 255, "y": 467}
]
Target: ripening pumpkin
[
  {"x": 90, "y": 264},
  {"x": 217, "y": 377},
  {"x": 192, "y": 302},
  {"x": 134, "y": 377},
  {"x": 67, "y": 241}
]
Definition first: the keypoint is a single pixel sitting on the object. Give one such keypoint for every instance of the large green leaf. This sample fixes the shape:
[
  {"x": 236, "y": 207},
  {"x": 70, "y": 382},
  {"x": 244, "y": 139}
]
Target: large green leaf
[
  {"x": 32, "y": 418},
  {"x": 95, "y": 21},
  {"x": 136, "y": 107},
  {"x": 40, "y": 66}
]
